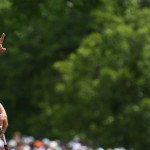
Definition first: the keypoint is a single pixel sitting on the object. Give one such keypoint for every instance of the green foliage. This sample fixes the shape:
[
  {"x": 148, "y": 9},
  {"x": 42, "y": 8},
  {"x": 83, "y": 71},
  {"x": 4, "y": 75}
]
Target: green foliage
[
  {"x": 103, "y": 82},
  {"x": 77, "y": 67}
]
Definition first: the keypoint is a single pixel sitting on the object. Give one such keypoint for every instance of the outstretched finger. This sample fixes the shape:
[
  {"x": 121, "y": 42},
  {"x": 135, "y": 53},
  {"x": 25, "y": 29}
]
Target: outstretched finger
[{"x": 2, "y": 38}]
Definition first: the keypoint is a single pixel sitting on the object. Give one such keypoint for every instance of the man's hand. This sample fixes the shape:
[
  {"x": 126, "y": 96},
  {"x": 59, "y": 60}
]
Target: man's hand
[
  {"x": 3, "y": 119},
  {"x": 2, "y": 50}
]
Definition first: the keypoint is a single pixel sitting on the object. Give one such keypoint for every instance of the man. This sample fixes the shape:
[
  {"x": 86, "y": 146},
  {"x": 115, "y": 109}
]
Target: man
[{"x": 3, "y": 115}]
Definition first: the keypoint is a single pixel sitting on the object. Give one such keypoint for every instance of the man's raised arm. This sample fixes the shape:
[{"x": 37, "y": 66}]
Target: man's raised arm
[{"x": 3, "y": 115}]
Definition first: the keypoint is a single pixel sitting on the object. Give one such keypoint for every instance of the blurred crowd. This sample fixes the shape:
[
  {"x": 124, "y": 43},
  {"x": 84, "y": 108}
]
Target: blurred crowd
[{"x": 19, "y": 142}]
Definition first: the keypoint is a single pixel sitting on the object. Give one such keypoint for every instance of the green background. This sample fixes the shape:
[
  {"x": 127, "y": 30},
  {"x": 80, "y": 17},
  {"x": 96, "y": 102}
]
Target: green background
[{"x": 77, "y": 67}]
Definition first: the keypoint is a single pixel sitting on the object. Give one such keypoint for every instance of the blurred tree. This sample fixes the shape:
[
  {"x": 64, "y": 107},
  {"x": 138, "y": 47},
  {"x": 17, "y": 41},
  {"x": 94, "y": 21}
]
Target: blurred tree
[
  {"x": 99, "y": 89},
  {"x": 36, "y": 39},
  {"x": 105, "y": 81},
  {"x": 144, "y": 3}
]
